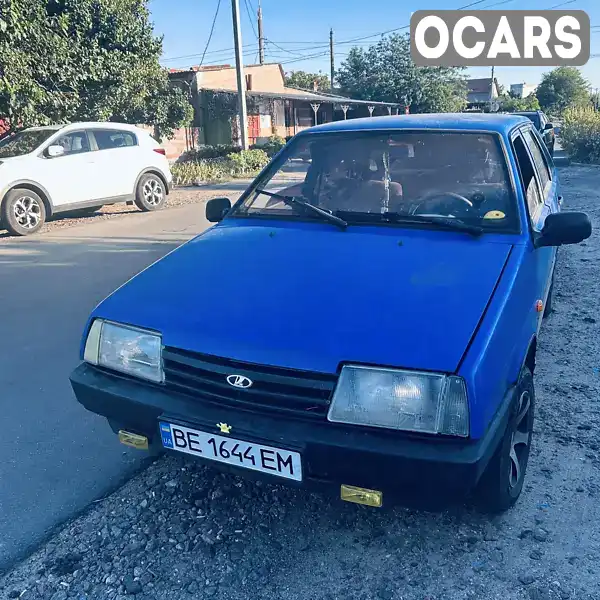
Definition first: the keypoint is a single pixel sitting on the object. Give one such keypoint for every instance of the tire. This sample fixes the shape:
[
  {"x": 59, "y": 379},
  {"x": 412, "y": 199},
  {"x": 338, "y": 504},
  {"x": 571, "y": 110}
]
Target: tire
[
  {"x": 501, "y": 483},
  {"x": 151, "y": 193},
  {"x": 23, "y": 212}
]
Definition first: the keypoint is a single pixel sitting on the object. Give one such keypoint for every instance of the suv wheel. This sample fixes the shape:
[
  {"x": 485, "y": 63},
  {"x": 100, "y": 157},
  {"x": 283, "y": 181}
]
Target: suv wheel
[
  {"x": 501, "y": 484},
  {"x": 151, "y": 193},
  {"x": 23, "y": 212}
]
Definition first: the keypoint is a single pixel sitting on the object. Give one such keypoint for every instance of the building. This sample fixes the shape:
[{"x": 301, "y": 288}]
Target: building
[
  {"x": 522, "y": 90},
  {"x": 273, "y": 108},
  {"x": 481, "y": 91}
]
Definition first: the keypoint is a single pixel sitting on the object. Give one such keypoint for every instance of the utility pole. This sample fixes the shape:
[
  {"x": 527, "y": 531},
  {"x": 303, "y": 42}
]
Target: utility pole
[
  {"x": 241, "y": 80},
  {"x": 332, "y": 57},
  {"x": 261, "y": 37}
]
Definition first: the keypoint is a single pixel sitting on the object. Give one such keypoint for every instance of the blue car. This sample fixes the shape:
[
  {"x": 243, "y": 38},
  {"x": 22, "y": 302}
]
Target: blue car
[{"x": 365, "y": 317}]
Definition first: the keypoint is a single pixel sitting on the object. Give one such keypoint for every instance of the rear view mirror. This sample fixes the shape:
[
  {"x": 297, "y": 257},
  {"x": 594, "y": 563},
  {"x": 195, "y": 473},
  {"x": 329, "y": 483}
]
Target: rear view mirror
[
  {"x": 564, "y": 228},
  {"x": 216, "y": 209},
  {"x": 548, "y": 126},
  {"x": 54, "y": 151}
]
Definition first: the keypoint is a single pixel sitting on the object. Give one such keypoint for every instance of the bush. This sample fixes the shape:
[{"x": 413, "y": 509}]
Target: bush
[
  {"x": 580, "y": 134},
  {"x": 236, "y": 164},
  {"x": 272, "y": 146},
  {"x": 249, "y": 161},
  {"x": 206, "y": 151}
]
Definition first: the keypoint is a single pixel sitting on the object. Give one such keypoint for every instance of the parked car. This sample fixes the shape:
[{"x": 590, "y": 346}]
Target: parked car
[
  {"x": 80, "y": 167},
  {"x": 366, "y": 320},
  {"x": 543, "y": 125}
]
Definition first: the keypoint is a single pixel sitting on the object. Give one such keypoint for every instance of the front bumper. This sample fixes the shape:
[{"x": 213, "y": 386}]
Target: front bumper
[{"x": 410, "y": 466}]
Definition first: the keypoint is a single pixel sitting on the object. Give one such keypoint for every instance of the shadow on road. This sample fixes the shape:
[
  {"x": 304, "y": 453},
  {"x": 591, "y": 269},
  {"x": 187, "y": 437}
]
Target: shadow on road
[{"x": 56, "y": 457}]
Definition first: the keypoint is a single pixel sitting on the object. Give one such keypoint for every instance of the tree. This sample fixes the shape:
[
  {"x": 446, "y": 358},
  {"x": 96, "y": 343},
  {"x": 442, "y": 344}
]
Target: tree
[
  {"x": 385, "y": 72},
  {"x": 510, "y": 103},
  {"x": 304, "y": 80},
  {"x": 67, "y": 60},
  {"x": 562, "y": 88}
]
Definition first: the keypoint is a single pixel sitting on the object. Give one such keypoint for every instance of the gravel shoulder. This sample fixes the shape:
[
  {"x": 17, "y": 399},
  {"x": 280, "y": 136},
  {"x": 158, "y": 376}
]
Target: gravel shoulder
[{"x": 181, "y": 531}]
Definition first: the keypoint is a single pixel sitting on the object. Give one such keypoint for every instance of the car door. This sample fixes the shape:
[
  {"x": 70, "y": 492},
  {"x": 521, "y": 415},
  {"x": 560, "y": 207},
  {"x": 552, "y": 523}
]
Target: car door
[
  {"x": 542, "y": 200},
  {"x": 118, "y": 156},
  {"x": 70, "y": 178}
]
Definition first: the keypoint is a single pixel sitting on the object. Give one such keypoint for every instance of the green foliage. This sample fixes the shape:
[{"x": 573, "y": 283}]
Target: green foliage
[
  {"x": 246, "y": 163},
  {"x": 512, "y": 104},
  {"x": 385, "y": 72},
  {"x": 562, "y": 88},
  {"x": 272, "y": 146},
  {"x": 580, "y": 134},
  {"x": 305, "y": 81},
  {"x": 68, "y": 60},
  {"x": 206, "y": 151}
]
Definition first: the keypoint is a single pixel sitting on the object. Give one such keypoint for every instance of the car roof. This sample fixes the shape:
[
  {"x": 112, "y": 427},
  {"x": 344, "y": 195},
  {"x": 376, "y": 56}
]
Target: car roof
[
  {"x": 89, "y": 125},
  {"x": 498, "y": 123},
  {"x": 104, "y": 125}
]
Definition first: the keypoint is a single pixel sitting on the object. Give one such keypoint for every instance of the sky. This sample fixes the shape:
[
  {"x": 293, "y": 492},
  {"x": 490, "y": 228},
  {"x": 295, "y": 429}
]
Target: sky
[{"x": 297, "y": 33}]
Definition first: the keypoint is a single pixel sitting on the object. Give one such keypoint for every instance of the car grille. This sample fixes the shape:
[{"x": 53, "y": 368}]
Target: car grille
[{"x": 296, "y": 393}]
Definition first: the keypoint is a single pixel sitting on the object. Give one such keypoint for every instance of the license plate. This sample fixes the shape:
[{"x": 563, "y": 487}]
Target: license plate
[{"x": 256, "y": 457}]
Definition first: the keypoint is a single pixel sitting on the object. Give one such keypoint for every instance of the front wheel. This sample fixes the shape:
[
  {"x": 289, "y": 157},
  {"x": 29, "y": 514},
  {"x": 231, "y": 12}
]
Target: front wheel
[
  {"x": 501, "y": 484},
  {"x": 150, "y": 193},
  {"x": 23, "y": 212}
]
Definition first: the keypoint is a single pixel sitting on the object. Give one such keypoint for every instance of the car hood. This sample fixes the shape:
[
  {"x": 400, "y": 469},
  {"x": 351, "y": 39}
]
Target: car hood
[{"x": 309, "y": 296}]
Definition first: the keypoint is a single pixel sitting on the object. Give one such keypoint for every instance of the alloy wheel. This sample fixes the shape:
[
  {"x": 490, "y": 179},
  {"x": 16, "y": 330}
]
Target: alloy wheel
[
  {"x": 153, "y": 192},
  {"x": 27, "y": 212},
  {"x": 519, "y": 444}
]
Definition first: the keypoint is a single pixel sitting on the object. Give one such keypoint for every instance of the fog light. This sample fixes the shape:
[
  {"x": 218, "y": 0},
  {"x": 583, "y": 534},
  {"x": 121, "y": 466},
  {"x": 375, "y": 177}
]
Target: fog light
[
  {"x": 139, "y": 442},
  {"x": 358, "y": 495}
]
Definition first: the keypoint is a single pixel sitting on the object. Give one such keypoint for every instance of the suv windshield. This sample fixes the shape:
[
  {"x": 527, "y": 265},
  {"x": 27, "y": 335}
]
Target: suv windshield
[
  {"x": 533, "y": 117},
  {"x": 24, "y": 142},
  {"x": 370, "y": 178}
]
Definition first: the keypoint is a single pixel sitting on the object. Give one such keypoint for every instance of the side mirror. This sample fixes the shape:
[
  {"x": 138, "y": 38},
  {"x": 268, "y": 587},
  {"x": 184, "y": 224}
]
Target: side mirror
[
  {"x": 54, "y": 151},
  {"x": 548, "y": 126},
  {"x": 564, "y": 228},
  {"x": 216, "y": 209}
]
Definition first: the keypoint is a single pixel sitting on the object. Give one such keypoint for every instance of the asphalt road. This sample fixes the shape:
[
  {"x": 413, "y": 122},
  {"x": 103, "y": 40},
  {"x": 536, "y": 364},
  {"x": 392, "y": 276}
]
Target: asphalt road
[{"x": 55, "y": 457}]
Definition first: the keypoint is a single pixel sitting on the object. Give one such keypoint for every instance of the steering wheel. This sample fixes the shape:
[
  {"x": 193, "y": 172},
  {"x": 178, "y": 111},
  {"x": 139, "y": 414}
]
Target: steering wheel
[{"x": 438, "y": 198}]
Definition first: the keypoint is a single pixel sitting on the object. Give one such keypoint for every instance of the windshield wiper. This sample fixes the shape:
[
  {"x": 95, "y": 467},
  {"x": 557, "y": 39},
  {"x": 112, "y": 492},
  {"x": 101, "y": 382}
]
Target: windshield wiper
[
  {"x": 307, "y": 206},
  {"x": 446, "y": 222}
]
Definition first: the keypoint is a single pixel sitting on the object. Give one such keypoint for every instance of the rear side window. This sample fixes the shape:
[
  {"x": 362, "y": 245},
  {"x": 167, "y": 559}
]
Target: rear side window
[
  {"x": 538, "y": 158},
  {"x": 108, "y": 139},
  {"x": 528, "y": 179}
]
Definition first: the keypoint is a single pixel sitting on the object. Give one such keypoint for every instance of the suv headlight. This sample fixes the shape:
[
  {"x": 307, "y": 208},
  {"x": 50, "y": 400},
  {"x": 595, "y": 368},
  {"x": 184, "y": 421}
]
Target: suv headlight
[
  {"x": 126, "y": 349},
  {"x": 402, "y": 400}
]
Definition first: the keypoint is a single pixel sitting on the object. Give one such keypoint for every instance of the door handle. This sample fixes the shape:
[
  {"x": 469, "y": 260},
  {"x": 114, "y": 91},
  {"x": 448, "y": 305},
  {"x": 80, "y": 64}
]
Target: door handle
[{"x": 560, "y": 200}]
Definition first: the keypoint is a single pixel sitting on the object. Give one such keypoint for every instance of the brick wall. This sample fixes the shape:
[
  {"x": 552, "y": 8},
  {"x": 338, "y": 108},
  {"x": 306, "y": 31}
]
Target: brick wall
[{"x": 184, "y": 139}]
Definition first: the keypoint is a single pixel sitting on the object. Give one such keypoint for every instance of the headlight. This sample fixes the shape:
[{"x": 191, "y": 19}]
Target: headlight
[
  {"x": 127, "y": 349},
  {"x": 403, "y": 400}
]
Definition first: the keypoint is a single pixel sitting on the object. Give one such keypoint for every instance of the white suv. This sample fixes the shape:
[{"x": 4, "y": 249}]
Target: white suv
[{"x": 78, "y": 167}]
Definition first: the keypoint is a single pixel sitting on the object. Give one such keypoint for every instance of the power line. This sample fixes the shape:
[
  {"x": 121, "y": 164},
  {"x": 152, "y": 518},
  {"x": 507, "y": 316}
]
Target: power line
[
  {"x": 212, "y": 30},
  {"x": 381, "y": 33},
  {"x": 562, "y": 4},
  {"x": 172, "y": 58},
  {"x": 250, "y": 18}
]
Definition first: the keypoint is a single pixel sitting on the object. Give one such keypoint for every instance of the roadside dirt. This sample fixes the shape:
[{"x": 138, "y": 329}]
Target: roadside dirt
[{"x": 181, "y": 531}]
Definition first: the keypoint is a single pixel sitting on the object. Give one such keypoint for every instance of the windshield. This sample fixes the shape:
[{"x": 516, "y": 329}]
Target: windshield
[
  {"x": 534, "y": 118},
  {"x": 24, "y": 142},
  {"x": 362, "y": 177}
]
